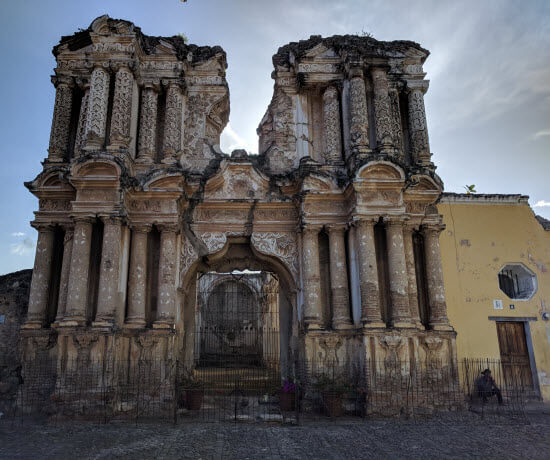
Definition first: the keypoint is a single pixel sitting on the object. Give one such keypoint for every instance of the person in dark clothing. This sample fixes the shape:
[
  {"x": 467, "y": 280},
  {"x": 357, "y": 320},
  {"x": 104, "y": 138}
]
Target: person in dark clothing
[{"x": 486, "y": 387}]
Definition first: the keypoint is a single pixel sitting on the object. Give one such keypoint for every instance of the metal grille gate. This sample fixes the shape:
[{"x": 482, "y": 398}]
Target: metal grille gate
[{"x": 235, "y": 373}]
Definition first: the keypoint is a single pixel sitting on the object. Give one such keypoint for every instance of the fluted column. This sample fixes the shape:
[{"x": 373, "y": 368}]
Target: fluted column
[
  {"x": 41, "y": 276},
  {"x": 312, "y": 277},
  {"x": 341, "y": 314},
  {"x": 65, "y": 271},
  {"x": 77, "y": 292},
  {"x": 121, "y": 115},
  {"x": 382, "y": 110},
  {"x": 96, "y": 119},
  {"x": 371, "y": 316},
  {"x": 137, "y": 280},
  {"x": 399, "y": 282},
  {"x": 359, "y": 116},
  {"x": 81, "y": 127},
  {"x": 147, "y": 141},
  {"x": 173, "y": 122},
  {"x": 108, "y": 297},
  {"x": 418, "y": 129},
  {"x": 434, "y": 275},
  {"x": 331, "y": 124},
  {"x": 61, "y": 122},
  {"x": 411, "y": 274},
  {"x": 166, "y": 306}
]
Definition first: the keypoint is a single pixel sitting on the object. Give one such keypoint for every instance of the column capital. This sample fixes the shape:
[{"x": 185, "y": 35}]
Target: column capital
[
  {"x": 368, "y": 221},
  {"x": 43, "y": 226},
  {"x": 355, "y": 72},
  {"x": 83, "y": 83},
  {"x": 122, "y": 65},
  {"x": 312, "y": 228},
  {"x": 337, "y": 228},
  {"x": 62, "y": 80},
  {"x": 112, "y": 220},
  {"x": 150, "y": 84},
  {"x": 167, "y": 227},
  {"x": 380, "y": 70},
  {"x": 83, "y": 219},
  {"x": 417, "y": 85},
  {"x": 172, "y": 83},
  {"x": 395, "y": 220},
  {"x": 140, "y": 227},
  {"x": 433, "y": 228}
]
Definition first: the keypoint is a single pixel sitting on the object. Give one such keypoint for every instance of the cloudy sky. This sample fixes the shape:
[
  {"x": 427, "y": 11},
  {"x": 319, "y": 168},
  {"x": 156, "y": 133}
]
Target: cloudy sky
[{"x": 488, "y": 106}]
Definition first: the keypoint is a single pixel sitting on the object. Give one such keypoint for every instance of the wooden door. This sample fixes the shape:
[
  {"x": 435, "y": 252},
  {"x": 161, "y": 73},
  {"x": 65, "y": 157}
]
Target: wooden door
[{"x": 514, "y": 355}]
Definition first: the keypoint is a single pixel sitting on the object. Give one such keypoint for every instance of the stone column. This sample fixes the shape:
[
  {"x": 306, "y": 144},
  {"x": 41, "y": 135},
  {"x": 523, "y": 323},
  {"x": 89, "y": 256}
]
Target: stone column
[
  {"x": 41, "y": 275},
  {"x": 382, "y": 111},
  {"x": 137, "y": 281},
  {"x": 121, "y": 116},
  {"x": 108, "y": 296},
  {"x": 331, "y": 124},
  {"x": 312, "y": 278},
  {"x": 418, "y": 129},
  {"x": 81, "y": 127},
  {"x": 65, "y": 271},
  {"x": 399, "y": 281},
  {"x": 61, "y": 122},
  {"x": 77, "y": 292},
  {"x": 411, "y": 274},
  {"x": 396, "y": 131},
  {"x": 371, "y": 316},
  {"x": 341, "y": 314},
  {"x": 359, "y": 116},
  {"x": 166, "y": 306},
  {"x": 96, "y": 119},
  {"x": 173, "y": 123},
  {"x": 147, "y": 141},
  {"x": 434, "y": 275}
]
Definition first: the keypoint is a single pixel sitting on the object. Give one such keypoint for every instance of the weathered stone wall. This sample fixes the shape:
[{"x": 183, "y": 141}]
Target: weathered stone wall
[{"x": 14, "y": 299}]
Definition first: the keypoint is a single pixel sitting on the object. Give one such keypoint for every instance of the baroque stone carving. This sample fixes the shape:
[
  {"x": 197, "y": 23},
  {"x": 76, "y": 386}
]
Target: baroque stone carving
[
  {"x": 81, "y": 127},
  {"x": 188, "y": 256},
  {"x": 418, "y": 131},
  {"x": 331, "y": 124},
  {"x": 172, "y": 122},
  {"x": 97, "y": 108},
  {"x": 359, "y": 119},
  {"x": 382, "y": 108},
  {"x": 214, "y": 241},
  {"x": 122, "y": 108},
  {"x": 331, "y": 345},
  {"x": 280, "y": 245},
  {"x": 59, "y": 136},
  {"x": 54, "y": 205}
]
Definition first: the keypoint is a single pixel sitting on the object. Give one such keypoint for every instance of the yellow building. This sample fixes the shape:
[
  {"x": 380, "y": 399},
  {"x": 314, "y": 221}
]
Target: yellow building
[{"x": 496, "y": 256}]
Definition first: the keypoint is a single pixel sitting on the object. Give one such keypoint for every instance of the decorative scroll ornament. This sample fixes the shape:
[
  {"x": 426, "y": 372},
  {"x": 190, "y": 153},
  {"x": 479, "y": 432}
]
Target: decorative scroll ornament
[
  {"x": 214, "y": 241},
  {"x": 188, "y": 256},
  {"x": 280, "y": 245}
]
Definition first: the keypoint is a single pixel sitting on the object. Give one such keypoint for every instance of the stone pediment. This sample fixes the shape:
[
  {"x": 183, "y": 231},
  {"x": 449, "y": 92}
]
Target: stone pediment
[
  {"x": 381, "y": 171},
  {"x": 321, "y": 51},
  {"x": 318, "y": 184},
  {"x": 240, "y": 181}
]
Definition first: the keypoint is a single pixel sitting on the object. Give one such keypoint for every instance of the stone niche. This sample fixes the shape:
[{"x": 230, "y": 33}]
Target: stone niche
[{"x": 138, "y": 207}]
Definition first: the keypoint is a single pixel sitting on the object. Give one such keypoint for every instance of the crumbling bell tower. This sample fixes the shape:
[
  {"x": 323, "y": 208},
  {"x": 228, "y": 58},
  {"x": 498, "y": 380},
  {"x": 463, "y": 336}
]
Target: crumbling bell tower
[{"x": 136, "y": 201}]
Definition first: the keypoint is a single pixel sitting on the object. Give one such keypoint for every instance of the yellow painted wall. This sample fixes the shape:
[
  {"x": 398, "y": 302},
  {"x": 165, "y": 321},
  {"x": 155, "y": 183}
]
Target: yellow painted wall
[{"x": 479, "y": 239}]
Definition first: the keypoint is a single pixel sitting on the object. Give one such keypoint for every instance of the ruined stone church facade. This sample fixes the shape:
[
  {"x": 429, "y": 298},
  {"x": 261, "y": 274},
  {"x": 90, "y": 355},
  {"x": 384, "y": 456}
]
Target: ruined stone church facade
[{"x": 137, "y": 201}]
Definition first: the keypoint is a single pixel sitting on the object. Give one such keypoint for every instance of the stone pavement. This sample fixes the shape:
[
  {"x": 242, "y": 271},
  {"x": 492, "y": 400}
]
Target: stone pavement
[{"x": 315, "y": 439}]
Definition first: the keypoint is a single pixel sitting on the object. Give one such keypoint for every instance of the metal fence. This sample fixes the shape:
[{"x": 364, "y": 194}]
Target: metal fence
[{"x": 179, "y": 392}]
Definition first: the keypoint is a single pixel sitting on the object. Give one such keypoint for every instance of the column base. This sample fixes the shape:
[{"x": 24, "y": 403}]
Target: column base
[
  {"x": 441, "y": 327},
  {"x": 169, "y": 161},
  {"x": 135, "y": 324},
  {"x": 73, "y": 321},
  {"x": 163, "y": 325},
  {"x": 374, "y": 325},
  {"x": 103, "y": 324},
  {"x": 314, "y": 325},
  {"x": 404, "y": 325},
  {"x": 32, "y": 325},
  {"x": 342, "y": 325},
  {"x": 144, "y": 160}
]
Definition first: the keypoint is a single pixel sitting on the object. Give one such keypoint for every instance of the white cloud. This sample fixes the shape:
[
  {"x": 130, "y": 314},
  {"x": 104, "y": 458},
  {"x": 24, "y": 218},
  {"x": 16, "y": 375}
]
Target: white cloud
[
  {"x": 230, "y": 141},
  {"x": 542, "y": 204},
  {"x": 545, "y": 132},
  {"x": 25, "y": 247},
  {"x": 18, "y": 234}
]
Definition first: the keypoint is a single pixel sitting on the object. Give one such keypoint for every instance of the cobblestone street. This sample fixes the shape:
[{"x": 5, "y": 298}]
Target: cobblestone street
[{"x": 319, "y": 439}]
